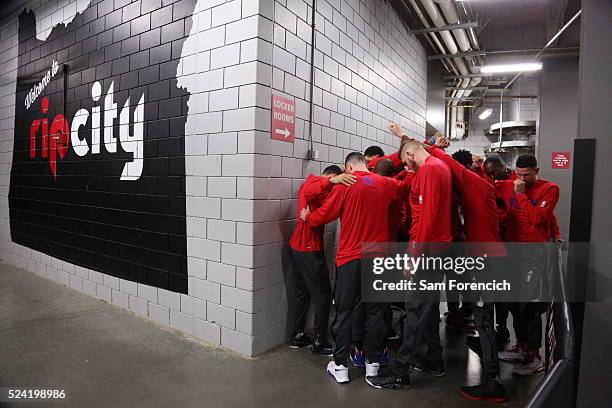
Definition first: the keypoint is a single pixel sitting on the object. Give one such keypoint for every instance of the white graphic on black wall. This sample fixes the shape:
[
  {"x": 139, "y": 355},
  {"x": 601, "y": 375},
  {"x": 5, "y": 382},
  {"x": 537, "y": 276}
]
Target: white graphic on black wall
[{"x": 98, "y": 175}]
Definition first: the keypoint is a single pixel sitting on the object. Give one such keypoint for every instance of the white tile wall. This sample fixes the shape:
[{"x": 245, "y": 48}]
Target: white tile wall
[
  {"x": 368, "y": 73},
  {"x": 240, "y": 187}
]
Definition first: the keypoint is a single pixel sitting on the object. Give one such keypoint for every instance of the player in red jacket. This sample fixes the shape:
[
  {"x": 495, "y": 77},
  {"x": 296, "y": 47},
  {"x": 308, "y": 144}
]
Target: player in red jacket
[
  {"x": 397, "y": 212},
  {"x": 396, "y": 218},
  {"x": 495, "y": 169},
  {"x": 482, "y": 231},
  {"x": 374, "y": 154},
  {"x": 310, "y": 273},
  {"x": 363, "y": 220},
  {"x": 530, "y": 203},
  {"x": 459, "y": 313},
  {"x": 430, "y": 201}
]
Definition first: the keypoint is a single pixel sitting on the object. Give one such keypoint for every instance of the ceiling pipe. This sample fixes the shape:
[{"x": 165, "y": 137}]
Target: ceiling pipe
[
  {"x": 426, "y": 11},
  {"x": 454, "y": 42},
  {"x": 451, "y": 45},
  {"x": 432, "y": 40},
  {"x": 421, "y": 15},
  {"x": 555, "y": 50},
  {"x": 425, "y": 23},
  {"x": 449, "y": 27},
  {"x": 415, "y": 9},
  {"x": 447, "y": 38},
  {"x": 449, "y": 10}
]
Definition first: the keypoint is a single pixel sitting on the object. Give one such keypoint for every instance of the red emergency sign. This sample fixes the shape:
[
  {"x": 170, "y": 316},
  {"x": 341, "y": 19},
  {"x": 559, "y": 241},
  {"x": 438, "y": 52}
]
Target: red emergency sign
[{"x": 560, "y": 160}]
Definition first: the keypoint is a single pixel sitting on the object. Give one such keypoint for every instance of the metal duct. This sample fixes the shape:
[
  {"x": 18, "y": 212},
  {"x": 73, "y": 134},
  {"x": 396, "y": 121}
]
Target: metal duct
[
  {"x": 462, "y": 43},
  {"x": 426, "y": 24},
  {"x": 449, "y": 10}
]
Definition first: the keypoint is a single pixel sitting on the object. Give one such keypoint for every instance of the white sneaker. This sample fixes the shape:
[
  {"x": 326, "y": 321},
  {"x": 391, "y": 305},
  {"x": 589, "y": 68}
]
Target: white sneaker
[
  {"x": 339, "y": 372},
  {"x": 371, "y": 369},
  {"x": 515, "y": 353}
]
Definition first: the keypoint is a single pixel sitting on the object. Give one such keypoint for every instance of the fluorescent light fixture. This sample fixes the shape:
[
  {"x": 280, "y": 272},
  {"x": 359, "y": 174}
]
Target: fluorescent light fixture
[
  {"x": 485, "y": 114},
  {"x": 526, "y": 66}
]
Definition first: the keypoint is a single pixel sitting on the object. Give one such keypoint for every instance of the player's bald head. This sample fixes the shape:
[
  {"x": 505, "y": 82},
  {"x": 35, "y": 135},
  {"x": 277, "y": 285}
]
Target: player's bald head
[{"x": 410, "y": 146}]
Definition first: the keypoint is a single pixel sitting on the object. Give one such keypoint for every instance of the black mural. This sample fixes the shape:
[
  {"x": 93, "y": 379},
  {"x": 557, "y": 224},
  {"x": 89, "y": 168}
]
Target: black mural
[{"x": 98, "y": 176}]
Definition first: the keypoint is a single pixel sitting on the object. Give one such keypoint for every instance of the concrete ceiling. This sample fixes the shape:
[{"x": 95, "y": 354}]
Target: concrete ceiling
[{"x": 523, "y": 24}]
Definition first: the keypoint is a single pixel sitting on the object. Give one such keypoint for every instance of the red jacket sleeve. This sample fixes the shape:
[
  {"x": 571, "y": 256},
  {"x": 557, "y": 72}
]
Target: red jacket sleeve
[
  {"x": 540, "y": 213},
  {"x": 331, "y": 208},
  {"x": 403, "y": 216},
  {"x": 504, "y": 190},
  {"x": 553, "y": 226},
  {"x": 315, "y": 186},
  {"x": 400, "y": 189},
  {"x": 394, "y": 157},
  {"x": 459, "y": 171},
  {"x": 401, "y": 175},
  {"x": 479, "y": 169}
]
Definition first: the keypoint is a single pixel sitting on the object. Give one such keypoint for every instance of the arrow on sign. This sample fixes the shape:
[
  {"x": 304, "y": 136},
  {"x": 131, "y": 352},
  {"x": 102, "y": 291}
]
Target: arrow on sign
[{"x": 285, "y": 132}]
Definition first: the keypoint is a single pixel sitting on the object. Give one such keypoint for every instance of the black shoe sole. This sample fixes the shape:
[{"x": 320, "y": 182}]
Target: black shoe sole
[
  {"x": 498, "y": 400},
  {"x": 321, "y": 352},
  {"x": 426, "y": 371},
  {"x": 389, "y": 387},
  {"x": 296, "y": 347}
]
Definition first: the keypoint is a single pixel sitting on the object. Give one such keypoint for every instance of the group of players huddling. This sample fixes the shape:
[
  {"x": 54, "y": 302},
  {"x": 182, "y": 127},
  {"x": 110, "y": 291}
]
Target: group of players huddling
[{"x": 423, "y": 196}]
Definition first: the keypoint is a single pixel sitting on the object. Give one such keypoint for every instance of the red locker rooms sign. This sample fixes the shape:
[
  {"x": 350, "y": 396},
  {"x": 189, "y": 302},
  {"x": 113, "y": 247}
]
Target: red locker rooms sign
[{"x": 283, "y": 119}]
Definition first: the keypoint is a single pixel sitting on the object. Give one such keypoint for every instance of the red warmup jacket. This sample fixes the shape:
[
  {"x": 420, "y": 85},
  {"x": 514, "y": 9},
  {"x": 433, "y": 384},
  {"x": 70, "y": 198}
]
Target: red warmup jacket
[
  {"x": 363, "y": 219},
  {"x": 398, "y": 165},
  {"x": 312, "y": 193},
  {"x": 555, "y": 231},
  {"x": 528, "y": 214},
  {"x": 501, "y": 206},
  {"x": 431, "y": 197},
  {"x": 396, "y": 217},
  {"x": 405, "y": 213},
  {"x": 479, "y": 170},
  {"x": 480, "y": 213}
]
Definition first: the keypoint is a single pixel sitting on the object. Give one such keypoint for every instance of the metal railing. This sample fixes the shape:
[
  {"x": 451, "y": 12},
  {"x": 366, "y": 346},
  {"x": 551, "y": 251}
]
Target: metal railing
[{"x": 557, "y": 388}]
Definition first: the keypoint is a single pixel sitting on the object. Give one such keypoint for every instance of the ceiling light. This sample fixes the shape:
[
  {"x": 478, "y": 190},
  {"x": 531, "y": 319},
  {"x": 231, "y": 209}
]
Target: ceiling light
[
  {"x": 485, "y": 114},
  {"x": 527, "y": 66}
]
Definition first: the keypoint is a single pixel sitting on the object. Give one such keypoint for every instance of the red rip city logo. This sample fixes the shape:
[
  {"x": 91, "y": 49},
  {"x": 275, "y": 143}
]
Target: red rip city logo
[{"x": 56, "y": 139}]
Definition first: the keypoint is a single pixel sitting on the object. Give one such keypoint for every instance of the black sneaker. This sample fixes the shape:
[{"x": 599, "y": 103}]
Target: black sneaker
[
  {"x": 299, "y": 340},
  {"x": 489, "y": 391},
  {"x": 473, "y": 342},
  {"x": 320, "y": 347},
  {"x": 391, "y": 335},
  {"x": 465, "y": 312},
  {"x": 437, "y": 370},
  {"x": 389, "y": 381},
  {"x": 502, "y": 336}
]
